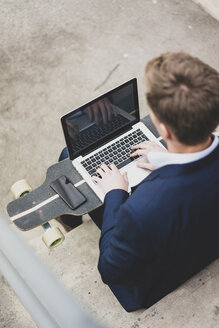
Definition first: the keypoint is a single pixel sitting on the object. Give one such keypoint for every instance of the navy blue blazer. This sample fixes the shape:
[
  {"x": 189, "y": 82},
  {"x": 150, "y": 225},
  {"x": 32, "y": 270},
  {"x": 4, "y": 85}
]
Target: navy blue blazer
[{"x": 165, "y": 232}]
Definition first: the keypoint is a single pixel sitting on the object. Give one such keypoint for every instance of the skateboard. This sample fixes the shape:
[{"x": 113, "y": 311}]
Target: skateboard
[{"x": 33, "y": 208}]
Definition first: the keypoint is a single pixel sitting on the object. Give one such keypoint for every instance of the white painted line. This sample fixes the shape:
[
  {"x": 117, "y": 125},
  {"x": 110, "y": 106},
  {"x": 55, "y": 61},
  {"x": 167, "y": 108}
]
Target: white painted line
[
  {"x": 33, "y": 209},
  {"x": 45, "y": 202},
  {"x": 79, "y": 183}
]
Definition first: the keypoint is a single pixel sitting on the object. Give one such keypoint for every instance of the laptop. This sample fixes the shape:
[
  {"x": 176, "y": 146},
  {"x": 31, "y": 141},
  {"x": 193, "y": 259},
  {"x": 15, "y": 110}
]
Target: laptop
[{"x": 103, "y": 130}]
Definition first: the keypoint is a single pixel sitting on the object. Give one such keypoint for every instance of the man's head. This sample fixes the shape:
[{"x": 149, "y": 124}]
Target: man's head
[{"x": 183, "y": 93}]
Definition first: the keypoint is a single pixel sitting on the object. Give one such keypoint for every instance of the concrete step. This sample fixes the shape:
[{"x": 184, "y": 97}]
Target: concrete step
[
  {"x": 210, "y": 6},
  {"x": 12, "y": 312}
]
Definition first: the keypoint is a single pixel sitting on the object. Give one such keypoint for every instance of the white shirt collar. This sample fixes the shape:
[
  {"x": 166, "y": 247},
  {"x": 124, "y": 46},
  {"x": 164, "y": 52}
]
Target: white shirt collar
[{"x": 159, "y": 159}]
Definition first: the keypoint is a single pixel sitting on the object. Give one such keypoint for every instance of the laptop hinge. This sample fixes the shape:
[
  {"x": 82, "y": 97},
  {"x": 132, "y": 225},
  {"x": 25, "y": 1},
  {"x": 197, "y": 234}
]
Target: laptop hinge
[{"x": 108, "y": 140}]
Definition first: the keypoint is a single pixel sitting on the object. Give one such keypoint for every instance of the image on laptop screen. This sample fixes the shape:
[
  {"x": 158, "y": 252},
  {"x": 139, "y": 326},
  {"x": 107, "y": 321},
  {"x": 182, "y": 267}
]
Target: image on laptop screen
[{"x": 94, "y": 123}]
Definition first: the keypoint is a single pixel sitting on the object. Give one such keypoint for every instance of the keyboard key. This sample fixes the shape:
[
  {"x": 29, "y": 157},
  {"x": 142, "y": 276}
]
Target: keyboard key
[
  {"x": 127, "y": 161},
  {"x": 91, "y": 172}
]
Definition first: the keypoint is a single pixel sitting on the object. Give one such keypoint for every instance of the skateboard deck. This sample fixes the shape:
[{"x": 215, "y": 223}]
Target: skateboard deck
[{"x": 44, "y": 204}]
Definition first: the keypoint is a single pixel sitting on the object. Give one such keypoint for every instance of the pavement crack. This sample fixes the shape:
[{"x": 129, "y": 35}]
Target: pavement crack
[{"x": 107, "y": 78}]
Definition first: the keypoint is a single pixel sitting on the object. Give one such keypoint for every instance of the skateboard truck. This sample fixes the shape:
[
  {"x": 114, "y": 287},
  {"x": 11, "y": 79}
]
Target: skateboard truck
[{"x": 52, "y": 236}]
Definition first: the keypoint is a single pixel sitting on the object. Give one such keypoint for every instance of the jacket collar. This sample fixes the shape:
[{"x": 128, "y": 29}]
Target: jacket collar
[
  {"x": 181, "y": 169},
  {"x": 160, "y": 159}
]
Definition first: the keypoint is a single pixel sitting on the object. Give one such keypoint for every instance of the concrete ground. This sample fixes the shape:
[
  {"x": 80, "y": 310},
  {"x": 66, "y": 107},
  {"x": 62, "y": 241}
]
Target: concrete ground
[{"x": 55, "y": 56}]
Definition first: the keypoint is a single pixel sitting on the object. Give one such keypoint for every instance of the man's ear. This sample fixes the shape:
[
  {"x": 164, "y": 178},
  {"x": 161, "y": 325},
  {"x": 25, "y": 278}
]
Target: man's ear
[
  {"x": 165, "y": 132},
  {"x": 162, "y": 128}
]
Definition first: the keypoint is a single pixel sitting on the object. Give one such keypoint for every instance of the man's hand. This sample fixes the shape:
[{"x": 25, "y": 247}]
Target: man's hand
[
  {"x": 111, "y": 178},
  {"x": 143, "y": 149}
]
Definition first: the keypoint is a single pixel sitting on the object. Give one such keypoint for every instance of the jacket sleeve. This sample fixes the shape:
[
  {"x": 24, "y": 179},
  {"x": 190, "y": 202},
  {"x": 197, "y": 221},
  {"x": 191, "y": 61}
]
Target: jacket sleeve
[{"x": 123, "y": 246}]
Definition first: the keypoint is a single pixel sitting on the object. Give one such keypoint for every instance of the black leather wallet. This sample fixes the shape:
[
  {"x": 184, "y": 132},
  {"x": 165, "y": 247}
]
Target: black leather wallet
[{"x": 68, "y": 192}]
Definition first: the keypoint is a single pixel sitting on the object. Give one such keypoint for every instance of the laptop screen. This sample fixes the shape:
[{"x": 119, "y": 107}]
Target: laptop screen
[{"x": 101, "y": 120}]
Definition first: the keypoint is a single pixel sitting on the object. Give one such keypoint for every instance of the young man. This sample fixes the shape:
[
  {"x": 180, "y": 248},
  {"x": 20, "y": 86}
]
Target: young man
[{"x": 167, "y": 229}]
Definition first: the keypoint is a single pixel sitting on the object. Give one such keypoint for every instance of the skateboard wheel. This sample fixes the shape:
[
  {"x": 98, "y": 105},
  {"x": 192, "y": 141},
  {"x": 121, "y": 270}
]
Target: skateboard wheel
[
  {"x": 20, "y": 188},
  {"x": 53, "y": 237}
]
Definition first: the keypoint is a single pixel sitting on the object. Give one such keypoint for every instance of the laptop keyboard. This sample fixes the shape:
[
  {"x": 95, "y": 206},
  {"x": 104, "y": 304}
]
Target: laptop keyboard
[{"x": 117, "y": 153}]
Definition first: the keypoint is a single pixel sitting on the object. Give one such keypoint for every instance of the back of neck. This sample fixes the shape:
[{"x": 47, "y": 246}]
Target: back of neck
[{"x": 174, "y": 146}]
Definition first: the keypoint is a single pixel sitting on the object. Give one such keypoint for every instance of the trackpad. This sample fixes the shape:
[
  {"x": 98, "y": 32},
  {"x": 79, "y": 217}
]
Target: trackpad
[{"x": 135, "y": 174}]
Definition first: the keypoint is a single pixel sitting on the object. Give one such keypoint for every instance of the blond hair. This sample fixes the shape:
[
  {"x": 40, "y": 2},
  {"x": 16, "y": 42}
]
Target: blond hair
[{"x": 183, "y": 93}]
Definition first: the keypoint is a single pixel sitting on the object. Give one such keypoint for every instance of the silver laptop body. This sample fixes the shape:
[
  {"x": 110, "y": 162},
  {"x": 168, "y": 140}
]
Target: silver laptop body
[{"x": 103, "y": 130}]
